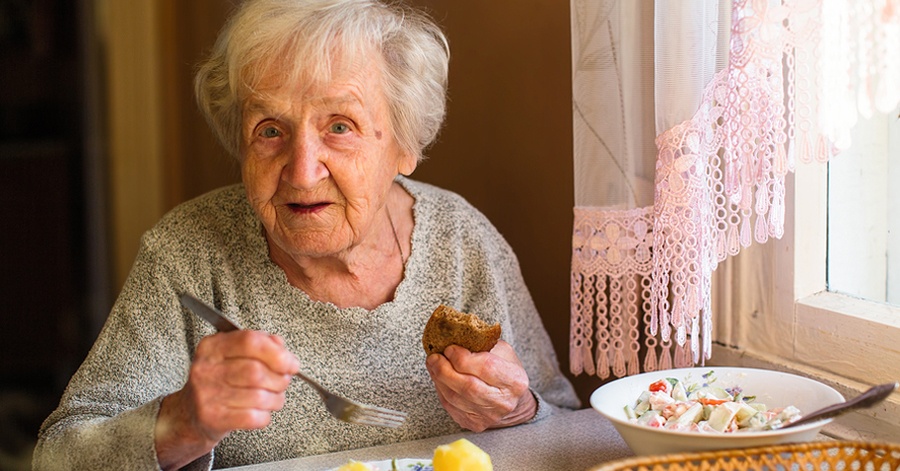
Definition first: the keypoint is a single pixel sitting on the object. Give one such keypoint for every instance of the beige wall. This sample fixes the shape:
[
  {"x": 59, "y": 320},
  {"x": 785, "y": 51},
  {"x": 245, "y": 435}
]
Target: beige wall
[
  {"x": 506, "y": 146},
  {"x": 160, "y": 150}
]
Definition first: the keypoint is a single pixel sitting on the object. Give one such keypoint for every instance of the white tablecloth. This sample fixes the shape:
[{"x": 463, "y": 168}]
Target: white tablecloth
[{"x": 570, "y": 441}]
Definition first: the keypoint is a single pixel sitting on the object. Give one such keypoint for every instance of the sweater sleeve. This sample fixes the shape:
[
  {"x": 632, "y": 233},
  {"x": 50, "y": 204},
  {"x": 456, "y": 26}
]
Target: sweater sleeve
[
  {"x": 534, "y": 348},
  {"x": 107, "y": 415}
]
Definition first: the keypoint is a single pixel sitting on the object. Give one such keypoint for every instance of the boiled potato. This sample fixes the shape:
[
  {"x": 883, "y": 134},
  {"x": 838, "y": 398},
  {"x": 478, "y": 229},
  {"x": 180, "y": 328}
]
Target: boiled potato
[
  {"x": 461, "y": 455},
  {"x": 355, "y": 466}
]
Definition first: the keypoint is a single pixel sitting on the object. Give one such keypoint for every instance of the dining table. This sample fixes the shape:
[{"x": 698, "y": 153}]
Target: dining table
[{"x": 572, "y": 440}]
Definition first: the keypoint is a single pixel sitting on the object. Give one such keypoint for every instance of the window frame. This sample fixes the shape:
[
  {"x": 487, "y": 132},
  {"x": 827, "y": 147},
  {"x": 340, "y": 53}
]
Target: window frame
[{"x": 800, "y": 327}]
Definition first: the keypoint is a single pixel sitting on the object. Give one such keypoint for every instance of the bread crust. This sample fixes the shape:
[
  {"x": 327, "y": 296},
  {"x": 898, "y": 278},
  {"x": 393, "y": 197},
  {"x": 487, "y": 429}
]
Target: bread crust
[{"x": 447, "y": 326}]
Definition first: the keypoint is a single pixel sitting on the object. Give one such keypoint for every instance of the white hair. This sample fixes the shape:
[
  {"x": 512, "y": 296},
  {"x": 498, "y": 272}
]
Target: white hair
[{"x": 304, "y": 38}]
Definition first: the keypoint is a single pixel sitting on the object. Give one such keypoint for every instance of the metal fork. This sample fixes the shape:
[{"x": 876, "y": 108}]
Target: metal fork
[{"x": 340, "y": 407}]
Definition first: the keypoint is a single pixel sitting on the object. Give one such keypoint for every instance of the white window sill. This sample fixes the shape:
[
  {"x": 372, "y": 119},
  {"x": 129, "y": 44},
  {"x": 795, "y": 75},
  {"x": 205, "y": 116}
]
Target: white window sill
[{"x": 863, "y": 332}]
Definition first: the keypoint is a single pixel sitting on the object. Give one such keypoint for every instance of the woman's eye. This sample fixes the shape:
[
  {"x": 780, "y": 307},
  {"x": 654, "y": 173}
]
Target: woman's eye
[
  {"x": 340, "y": 128},
  {"x": 270, "y": 132}
]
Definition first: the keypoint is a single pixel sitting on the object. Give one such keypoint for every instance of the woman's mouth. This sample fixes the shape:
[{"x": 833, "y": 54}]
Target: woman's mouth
[{"x": 314, "y": 208}]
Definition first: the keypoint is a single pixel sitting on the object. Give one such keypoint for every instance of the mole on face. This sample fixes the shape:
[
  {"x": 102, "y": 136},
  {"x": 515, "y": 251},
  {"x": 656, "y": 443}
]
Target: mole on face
[{"x": 377, "y": 134}]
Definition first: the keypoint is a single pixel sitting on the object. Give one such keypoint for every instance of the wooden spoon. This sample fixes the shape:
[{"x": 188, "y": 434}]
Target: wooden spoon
[{"x": 869, "y": 398}]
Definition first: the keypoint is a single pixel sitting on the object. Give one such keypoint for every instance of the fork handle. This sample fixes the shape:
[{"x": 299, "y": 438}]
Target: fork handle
[{"x": 322, "y": 391}]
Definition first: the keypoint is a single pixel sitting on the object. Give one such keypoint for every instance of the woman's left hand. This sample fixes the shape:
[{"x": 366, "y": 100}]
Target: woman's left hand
[{"x": 482, "y": 390}]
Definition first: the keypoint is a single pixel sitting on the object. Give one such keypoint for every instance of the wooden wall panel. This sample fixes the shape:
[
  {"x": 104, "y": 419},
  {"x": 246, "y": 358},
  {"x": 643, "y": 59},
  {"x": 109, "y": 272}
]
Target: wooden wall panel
[
  {"x": 134, "y": 115},
  {"x": 194, "y": 162}
]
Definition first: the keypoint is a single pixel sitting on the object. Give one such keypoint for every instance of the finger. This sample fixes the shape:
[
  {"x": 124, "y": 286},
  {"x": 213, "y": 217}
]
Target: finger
[
  {"x": 443, "y": 371},
  {"x": 466, "y": 392},
  {"x": 252, "y": 399},
  {"x": 216, "y": 366},
  {"x": 233, "y": 408},
  {"x": 505, "y": 351},
  {"x": 459, "y": 407},
  {"x": 473, "y": 401},
  {"x": 473, "y": 412},
  {"x": 224, "y": 385},
  {"x": 248, "y": 419},
  {"x": 277, "y": 339},
  {"x": 467, "y": 418},
  {"x": 494, "y": 370},
  {"x": 490, "y": 380},
  {"x": 250, "y": 373},
  {"x": 217, "y": 411},
  {"x": 261, "y": 346},
  {"x": 224, "y": 419},
  {"x": 501, "y": 349}
]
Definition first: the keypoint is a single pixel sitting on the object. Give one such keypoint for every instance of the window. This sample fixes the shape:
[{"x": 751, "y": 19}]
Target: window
[
  {"x": 783, "y": 316},
  {"x": 864, "y": 213}
]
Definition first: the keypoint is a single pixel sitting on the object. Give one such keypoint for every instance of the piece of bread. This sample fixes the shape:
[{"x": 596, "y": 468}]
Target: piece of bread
[{"x": 447, "y": 326}]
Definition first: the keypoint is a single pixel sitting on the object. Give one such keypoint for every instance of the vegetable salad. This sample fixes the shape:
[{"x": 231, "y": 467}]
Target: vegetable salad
[{"x": 705, "y": 406}]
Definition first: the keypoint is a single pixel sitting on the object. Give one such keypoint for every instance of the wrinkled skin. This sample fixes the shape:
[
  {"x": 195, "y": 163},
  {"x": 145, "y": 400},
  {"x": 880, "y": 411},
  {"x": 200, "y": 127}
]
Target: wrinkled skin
[
  {"x": 236, "y": 381},
  {"x": 482, "y": 390}
]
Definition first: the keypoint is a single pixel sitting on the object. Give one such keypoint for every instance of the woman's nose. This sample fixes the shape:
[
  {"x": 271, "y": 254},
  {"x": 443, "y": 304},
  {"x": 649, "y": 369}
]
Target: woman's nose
[{"x": 306, "y": 163}]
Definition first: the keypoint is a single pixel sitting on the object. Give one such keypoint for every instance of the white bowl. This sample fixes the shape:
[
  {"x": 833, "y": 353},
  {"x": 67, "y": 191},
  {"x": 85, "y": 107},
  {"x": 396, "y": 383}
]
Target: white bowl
[{"x": 772, "y": 388}]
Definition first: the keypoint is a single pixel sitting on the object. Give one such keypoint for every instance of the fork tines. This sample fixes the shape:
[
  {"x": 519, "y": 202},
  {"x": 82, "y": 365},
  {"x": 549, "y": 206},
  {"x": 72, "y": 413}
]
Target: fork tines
[{"x": 376, "y": 416}]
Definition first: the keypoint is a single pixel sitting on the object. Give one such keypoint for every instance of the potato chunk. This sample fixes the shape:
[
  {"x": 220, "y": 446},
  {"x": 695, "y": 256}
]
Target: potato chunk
[{"x": 461, "y": 455}]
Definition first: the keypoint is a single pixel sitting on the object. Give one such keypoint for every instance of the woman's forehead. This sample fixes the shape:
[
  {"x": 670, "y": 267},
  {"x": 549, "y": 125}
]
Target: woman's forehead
[
  {"x": 357, "y": 93},
  {"x": 284, "y": 77}
]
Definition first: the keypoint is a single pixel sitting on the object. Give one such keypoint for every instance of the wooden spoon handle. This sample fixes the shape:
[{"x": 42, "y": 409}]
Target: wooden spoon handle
[{"x": 869, "y": 398}]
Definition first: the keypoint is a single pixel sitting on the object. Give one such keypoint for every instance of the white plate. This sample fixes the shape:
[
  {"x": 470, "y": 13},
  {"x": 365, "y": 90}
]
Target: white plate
[{"x": 405, "y": 464}]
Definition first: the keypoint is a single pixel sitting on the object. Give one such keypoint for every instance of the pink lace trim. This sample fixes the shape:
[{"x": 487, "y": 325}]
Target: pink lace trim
[
  {"x": 611, "y": 296},
  {"x": 641, "y": 278}
]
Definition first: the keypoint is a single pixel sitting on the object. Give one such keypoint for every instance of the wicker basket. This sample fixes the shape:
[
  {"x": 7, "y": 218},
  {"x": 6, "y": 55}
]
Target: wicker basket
[{"x": 819, "y": 456}]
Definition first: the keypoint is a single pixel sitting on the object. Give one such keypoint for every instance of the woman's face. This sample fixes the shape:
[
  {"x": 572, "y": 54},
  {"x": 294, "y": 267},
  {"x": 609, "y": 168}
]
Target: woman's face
[{"x": 318, "y": 162}]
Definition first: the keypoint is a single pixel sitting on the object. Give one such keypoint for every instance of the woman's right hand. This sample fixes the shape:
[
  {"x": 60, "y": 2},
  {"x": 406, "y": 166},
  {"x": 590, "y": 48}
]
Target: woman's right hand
[{"x": 237, "y": 379}]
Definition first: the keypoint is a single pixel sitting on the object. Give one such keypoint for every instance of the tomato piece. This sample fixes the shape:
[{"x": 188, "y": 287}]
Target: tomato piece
[{"x": 661, "y": 385}]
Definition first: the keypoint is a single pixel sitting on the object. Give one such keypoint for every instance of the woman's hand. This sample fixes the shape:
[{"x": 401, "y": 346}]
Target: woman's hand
[
  {"x": 236, "y": 381},
  {"x": 482, "y": 390}
]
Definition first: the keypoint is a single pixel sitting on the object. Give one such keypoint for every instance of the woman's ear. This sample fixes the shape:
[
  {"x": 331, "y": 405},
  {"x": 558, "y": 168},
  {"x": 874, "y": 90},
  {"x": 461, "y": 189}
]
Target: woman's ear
[{"x": 408, "y": 163}]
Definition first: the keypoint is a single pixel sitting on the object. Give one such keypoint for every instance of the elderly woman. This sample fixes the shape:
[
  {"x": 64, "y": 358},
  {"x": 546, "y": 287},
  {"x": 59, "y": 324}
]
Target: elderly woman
[{"x": 328, "y": 256}]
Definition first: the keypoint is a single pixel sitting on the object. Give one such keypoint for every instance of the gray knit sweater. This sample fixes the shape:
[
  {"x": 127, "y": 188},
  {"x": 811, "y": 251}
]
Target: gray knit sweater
[{"x": 214, "y": 247}]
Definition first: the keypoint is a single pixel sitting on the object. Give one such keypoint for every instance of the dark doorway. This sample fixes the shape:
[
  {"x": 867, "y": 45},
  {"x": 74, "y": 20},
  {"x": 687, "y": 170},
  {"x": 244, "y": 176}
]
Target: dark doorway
[{"x": 44, "y": 283}]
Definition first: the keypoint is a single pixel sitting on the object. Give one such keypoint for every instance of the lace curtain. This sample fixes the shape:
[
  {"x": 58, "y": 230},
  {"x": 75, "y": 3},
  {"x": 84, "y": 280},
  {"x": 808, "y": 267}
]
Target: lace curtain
[{"x": 687, "y": 117}]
